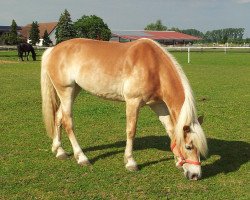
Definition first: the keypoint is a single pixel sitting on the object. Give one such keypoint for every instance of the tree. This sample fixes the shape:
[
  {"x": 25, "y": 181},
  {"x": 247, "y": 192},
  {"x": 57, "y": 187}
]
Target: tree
[
  {"x": 46, "y": 40},
  {"x": 34, "y": 33},
  {"x": 157, "y": 26},
  {"x": 4, "y": 39},
  {"x": 92, "y": 27},
  {"x": 247, "y": 40},
  {"x": 65, "y": 29},
  {"x": 193, "y": 32},
  {"x": 13, "y": 38},
  {"x": 234, "y": 35},
  {"x": 174, "y": 29}
]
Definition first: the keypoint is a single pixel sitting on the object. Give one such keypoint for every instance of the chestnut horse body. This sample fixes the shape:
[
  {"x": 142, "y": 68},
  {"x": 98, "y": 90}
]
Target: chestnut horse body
[{"x": 139, "y": 73}]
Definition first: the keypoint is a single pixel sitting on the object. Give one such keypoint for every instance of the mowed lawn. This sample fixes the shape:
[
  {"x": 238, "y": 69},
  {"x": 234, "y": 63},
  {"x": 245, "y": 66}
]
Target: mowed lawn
[{"x": 221, "y": 83}]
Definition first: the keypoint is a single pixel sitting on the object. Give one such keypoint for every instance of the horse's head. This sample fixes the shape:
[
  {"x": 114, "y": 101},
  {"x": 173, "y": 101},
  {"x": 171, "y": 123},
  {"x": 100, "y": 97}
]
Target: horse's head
[{"x": 187, "y": 151}]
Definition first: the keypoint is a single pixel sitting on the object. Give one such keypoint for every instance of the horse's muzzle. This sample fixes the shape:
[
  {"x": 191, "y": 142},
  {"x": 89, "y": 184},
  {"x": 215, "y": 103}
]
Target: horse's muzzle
[{"x": 192, "y": 175}]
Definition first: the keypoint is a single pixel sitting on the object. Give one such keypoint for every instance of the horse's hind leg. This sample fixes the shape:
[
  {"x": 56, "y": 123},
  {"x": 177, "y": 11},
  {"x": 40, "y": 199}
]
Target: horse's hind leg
[
  {"x": 67, "y": 96},
  {"x": 56, "y": 145},
  {"x": 162, "y": 112},
  {"x": 132, "y": 110}
]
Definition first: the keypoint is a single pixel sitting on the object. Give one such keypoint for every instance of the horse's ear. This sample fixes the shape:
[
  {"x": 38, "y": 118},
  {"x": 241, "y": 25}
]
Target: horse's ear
[{"x": 200, "y": 119}]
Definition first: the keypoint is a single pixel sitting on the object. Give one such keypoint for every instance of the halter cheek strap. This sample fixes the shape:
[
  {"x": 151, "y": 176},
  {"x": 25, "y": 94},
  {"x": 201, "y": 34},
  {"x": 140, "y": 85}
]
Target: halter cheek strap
[{"x": 183, "y": 160}]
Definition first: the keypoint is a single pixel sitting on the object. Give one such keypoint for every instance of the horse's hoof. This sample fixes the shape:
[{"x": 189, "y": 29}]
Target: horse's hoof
[
  {"x": 132, "y": 168},
  {"x": 84, "y": 163},
  {"x": 62, "y": 155}
]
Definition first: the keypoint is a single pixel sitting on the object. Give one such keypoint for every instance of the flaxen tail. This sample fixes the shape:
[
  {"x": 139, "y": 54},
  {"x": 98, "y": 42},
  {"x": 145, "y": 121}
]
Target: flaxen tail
[{"x": 50, "y": 101}]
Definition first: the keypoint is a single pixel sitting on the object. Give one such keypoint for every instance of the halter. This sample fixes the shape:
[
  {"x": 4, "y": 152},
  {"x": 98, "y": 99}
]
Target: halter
[{"x": 183, "y": 160}]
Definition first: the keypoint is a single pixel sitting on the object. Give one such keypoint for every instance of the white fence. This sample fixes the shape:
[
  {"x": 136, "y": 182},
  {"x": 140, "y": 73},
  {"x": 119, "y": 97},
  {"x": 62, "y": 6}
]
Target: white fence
[
  {"x": 180, "y": 49},
  {"x": 203, "y": 49},
  {"x": 14, "y": 47}
]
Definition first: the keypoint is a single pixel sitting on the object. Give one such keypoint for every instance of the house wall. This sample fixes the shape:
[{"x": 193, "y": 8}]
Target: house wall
[{"x": 52, "y": 36}]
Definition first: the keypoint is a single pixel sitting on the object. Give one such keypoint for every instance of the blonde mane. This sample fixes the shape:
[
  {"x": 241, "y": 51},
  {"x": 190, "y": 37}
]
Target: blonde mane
[{"x": 188, "y": 114}]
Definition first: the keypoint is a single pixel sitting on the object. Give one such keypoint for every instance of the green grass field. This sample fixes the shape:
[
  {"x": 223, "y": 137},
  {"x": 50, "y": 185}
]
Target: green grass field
[{"x": 221, "y": 83}]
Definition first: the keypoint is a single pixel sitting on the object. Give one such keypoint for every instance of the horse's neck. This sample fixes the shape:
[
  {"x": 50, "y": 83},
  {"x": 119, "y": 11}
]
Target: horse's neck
[
  {"x": 172, "y": 90},
  {"x": 174, "y": 104}
]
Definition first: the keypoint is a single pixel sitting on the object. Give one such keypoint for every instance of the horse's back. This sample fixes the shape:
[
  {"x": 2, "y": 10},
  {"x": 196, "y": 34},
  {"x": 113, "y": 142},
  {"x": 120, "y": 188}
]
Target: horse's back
[{"x": 107, "y": 69}]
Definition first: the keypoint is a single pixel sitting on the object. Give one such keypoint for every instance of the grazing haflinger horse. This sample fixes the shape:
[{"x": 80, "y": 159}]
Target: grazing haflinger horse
[
  {"x": 139, "y": 73},
  {"x": 26, "y": 49}
]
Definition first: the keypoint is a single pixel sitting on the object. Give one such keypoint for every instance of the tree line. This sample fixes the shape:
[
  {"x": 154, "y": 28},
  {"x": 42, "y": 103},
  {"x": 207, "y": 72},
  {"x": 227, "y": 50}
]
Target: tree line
[
  {"x": 92, "y": 27},
  {"x": 227, "y": 35}
]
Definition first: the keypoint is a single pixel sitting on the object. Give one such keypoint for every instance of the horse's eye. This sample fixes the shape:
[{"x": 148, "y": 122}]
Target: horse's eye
[{"x": 188, "y": 147}]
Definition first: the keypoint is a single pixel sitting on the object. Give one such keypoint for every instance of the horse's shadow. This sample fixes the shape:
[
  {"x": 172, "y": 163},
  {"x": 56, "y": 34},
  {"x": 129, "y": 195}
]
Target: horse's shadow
[{"x": 229, "y": 155}]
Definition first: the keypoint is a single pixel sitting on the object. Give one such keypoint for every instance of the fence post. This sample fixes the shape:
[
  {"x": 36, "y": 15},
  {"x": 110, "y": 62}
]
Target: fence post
[
  {"x": 225, "y": 50},
  {"x": 188, "y": 55}
]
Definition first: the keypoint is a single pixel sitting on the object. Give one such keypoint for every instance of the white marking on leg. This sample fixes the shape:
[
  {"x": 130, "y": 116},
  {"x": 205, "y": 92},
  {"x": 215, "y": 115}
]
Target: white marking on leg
[
  {"x": 78, "y": 153},
  {"x": 56, "y": 145},
  {"x": 169, "y": 125},
  {"x": 132, "y": 109},
  {"x": 61, "y": 154},
  {"x": 129, "y": 160},
  {"x": 67, "y": 97},
  {"x": 162, "y": 112}
]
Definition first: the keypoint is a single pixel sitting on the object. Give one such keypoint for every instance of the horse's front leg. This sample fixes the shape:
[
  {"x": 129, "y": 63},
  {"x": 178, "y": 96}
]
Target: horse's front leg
[
  {"x": 27, "y": 55},
  {"x": 162, "y": 112},
  {"x": 132, "y": 110},
  {"x": 21, "y": 55}
]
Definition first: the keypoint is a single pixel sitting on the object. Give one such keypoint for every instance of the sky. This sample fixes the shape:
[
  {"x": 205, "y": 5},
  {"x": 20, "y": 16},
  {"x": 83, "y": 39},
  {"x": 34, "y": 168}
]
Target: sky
[{"x": 204, "y": 15}]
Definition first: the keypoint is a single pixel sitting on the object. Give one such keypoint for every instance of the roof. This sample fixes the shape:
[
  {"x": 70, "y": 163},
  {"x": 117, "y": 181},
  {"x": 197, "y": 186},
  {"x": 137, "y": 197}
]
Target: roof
[
  {"x": 155, "y": 35},
  {"x": 7, "y": 28},
  {"x": 42, "y": 27}
]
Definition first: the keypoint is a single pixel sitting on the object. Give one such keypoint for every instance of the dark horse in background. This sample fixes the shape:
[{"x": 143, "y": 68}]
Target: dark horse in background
[{"x": 25, "y": 48}]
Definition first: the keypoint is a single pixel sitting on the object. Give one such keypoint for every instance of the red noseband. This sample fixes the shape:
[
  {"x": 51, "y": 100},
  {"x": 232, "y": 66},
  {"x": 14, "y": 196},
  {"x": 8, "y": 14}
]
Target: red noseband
[{"x": 183, "y": 160}]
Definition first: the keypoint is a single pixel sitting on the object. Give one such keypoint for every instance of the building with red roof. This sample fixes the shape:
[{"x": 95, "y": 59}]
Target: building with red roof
[
  {"x": 50, "y": 27},
  {"x": 163, "y": 37}
]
